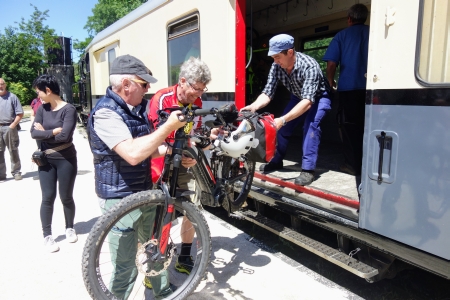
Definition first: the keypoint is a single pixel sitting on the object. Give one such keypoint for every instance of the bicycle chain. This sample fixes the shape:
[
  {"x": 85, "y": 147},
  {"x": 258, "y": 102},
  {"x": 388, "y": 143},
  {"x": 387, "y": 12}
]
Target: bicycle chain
[{"x": 141, "y": 251}]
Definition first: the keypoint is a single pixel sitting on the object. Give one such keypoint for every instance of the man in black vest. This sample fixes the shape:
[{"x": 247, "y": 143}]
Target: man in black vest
[{"x": 122, "y": 144}]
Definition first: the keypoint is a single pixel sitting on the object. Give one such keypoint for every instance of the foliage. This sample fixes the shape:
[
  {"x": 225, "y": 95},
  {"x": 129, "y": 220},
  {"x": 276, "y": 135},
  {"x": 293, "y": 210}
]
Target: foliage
[
  {"x": 79, "y": 46},
  {"x": 22, "y": 92},
  {"x": 105, "y": 13},
  {"x": 22, "y": 52},
  {"x": 316, "y": 49}
]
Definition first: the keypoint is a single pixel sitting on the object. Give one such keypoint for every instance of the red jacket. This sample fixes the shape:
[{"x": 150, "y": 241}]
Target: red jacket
[{"x": 164, "y": 98}]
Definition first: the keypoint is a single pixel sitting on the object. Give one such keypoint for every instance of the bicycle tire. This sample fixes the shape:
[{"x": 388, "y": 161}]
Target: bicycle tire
[
  {"x": 237, "y": 192},
  {"x": 93, "y": 264}
]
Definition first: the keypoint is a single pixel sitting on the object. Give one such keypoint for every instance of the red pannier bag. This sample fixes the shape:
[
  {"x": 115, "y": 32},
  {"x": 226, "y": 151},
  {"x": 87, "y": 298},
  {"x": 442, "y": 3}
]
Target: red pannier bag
[{"x": 266, "y": 133}]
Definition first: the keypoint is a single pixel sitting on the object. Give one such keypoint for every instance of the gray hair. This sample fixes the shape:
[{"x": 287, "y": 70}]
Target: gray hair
[
  {"x": 116, "y": 80},
  {"x": 194, "y": 70},
  {"x": 358, "y": 13}
]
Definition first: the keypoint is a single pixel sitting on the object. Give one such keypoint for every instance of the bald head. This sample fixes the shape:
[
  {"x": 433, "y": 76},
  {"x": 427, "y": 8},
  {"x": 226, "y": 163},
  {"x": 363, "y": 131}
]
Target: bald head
[{"x": 3, "y": 89}]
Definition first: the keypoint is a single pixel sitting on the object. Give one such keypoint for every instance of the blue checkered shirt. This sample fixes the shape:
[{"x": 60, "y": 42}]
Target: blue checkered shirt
[{"x": 306, "y": 80}]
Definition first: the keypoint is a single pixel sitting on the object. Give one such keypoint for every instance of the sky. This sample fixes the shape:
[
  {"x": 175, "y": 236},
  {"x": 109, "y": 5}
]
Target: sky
[{"x": 66, "y": 17}]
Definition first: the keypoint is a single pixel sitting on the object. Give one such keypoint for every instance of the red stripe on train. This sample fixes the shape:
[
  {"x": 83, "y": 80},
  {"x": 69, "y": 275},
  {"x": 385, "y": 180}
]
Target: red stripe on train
[{"x": 309, "y": 190}]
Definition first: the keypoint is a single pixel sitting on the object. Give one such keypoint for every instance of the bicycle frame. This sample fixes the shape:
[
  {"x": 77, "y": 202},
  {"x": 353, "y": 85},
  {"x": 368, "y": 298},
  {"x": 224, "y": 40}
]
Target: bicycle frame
[{"x": 208, "y": 179}]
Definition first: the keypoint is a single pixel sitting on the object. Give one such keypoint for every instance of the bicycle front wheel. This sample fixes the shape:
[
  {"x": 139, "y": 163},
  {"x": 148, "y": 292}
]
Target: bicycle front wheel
[{"x": 111, "y": 269}]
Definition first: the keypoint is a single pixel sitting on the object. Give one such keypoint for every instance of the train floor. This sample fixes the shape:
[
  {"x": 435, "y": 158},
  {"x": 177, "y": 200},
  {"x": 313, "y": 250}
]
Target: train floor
[{"x": 328, "y": 177}]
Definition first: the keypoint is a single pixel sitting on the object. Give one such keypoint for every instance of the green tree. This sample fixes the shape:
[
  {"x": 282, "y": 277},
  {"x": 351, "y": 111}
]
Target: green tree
[
  {"x": 105, "y": 13},
  {"x": 23, "y": 55}
]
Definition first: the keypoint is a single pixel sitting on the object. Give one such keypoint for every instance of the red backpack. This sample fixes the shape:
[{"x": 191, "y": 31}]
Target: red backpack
[{"x": 266, "y": 133}]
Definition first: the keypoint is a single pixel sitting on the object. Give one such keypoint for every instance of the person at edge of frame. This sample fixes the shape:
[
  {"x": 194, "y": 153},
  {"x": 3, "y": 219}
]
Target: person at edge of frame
[
  {"x": 11, "y": 112},
  {"x": 193, "y": 78},
  {"x": 310, "y": 101},
  {"x": 35, "y": 104},
  {"x": 123, "y": 143},
  {"x": 349, "y": 49}
]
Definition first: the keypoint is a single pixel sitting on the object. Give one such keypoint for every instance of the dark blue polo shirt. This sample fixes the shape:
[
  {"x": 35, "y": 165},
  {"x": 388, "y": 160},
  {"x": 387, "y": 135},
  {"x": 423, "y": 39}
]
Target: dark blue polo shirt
[{"x": 350, "y": 48}]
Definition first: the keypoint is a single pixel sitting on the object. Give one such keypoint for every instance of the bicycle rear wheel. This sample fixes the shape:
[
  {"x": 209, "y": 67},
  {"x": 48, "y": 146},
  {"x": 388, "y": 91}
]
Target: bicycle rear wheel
[
  {"x": 236, "y": 191},
  {"x": 103, "y": 269}
]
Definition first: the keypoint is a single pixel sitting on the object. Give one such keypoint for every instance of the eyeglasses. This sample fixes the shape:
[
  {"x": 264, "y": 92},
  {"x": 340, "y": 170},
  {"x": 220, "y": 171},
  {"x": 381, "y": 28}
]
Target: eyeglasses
[
  {"x": 140, "y": 82},
  {"x": 198, "y": 90}
]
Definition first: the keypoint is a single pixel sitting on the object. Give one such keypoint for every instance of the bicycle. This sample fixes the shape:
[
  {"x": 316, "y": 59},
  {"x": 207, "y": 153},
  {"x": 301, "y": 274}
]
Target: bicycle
[{"x": 224, "y": 179}]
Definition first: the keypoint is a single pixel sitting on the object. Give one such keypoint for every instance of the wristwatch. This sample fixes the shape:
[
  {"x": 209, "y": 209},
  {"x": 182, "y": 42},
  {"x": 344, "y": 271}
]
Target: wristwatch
[{"x": 283, "y": 120}]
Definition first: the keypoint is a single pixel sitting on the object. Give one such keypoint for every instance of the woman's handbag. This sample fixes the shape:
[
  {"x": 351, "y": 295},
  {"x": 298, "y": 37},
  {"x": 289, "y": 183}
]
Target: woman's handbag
[{"x": 40, "y": 157}]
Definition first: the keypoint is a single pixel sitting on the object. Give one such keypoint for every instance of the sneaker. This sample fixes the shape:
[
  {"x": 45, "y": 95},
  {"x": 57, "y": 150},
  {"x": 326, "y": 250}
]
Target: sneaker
[
  {"x": 184, "y": 266},
  {"x": 71, "y": 235},
  {"x": 147, "y": 283},
  {"x": 271, "y": 167},
  {"x": 305, "y": 178},
  {"x": 50, "y": 244},
  {"x": 17, "y": 176}
]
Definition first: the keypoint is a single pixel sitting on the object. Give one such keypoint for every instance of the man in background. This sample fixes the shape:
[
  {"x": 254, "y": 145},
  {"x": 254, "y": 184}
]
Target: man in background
[
  {"x": 11, "y": 112},
  {"x": 349, "y": 49}
]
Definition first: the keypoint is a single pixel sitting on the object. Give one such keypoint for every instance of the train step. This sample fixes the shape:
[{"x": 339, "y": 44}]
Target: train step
[{"x": 332, "y": 255}]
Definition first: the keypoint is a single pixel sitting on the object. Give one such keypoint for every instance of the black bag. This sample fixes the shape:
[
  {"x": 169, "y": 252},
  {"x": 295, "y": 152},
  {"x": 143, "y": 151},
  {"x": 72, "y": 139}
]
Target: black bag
[
  {"x": 266, "y": 133},
  {"x": 39, "y": 157}
]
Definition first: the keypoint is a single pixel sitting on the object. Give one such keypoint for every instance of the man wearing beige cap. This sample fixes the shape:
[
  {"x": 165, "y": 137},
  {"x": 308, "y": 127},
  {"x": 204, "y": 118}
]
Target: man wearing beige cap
[
  {"x": 309, "y": 102},
  {"x": 123, "y": 144}
]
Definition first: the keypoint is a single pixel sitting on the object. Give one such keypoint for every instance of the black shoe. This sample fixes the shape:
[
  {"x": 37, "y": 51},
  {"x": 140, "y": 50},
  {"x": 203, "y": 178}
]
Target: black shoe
[
  {"x": 305, "y": 178},
  {"x": 185, "y": 266},
  {"x": 269, "y": 167}
]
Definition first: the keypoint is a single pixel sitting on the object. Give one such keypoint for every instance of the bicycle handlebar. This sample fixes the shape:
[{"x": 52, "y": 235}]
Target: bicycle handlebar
[{"x": 204, "y": 111}]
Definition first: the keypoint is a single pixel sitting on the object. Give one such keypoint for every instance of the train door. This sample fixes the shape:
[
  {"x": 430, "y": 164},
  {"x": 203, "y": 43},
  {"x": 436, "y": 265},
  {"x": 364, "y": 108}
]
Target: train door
[{"x": 405, "y": 191}]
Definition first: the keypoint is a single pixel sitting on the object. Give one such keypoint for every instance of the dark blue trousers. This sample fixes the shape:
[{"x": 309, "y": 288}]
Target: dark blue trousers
[{"x": 311, "y": 131}]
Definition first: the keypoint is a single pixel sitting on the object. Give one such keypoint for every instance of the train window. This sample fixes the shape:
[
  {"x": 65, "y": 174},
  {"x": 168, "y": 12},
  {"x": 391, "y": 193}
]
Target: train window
[
  {"x": 183, "y": 41},
  {"x": 111, "y": 58},
  {"x": 433, "y": 43},
  {"x": 316, "y": 49}
]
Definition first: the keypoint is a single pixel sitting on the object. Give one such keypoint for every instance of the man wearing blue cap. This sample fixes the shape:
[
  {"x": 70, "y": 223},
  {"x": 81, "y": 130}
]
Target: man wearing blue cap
[{"x": 310, "y": 100}]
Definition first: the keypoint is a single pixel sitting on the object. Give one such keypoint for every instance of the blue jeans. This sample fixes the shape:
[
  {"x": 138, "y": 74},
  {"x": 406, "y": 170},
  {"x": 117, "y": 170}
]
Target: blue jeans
[{"x": 311, "y": 131}]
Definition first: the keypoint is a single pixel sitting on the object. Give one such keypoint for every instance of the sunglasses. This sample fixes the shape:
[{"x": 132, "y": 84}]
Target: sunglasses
[
  {"x": 140, "y": 82},
  {"x": 198, "y": 90}
]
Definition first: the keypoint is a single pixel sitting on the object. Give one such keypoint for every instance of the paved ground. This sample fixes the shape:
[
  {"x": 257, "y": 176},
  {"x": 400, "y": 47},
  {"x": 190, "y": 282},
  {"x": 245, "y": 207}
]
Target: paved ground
[{"x": 241, "y": 268}]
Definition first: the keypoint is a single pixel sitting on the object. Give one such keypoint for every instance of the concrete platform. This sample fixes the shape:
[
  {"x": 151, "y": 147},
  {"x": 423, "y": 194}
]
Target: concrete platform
[{"x": 240, "y": 268}]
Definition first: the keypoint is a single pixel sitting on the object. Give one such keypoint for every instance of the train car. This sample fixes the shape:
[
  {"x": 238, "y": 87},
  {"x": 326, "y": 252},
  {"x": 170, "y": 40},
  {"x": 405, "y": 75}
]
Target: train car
[{"x": 398, "y": 209}]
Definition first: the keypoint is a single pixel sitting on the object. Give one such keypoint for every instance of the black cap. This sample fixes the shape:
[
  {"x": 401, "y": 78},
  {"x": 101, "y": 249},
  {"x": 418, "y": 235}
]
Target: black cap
[{"x": 127, "y": 64}]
